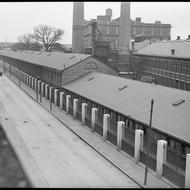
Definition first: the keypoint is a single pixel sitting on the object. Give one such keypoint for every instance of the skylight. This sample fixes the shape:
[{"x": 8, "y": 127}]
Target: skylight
[
  {"x": 90, "y": 78},
  {"x": 122, "y": 87},
  {"x": 178, "y": 102},
  {"x": 72, "y": 57}
]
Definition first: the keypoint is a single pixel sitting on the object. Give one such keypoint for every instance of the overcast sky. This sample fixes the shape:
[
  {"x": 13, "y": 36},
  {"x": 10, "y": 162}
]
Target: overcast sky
[{"x": 17, "y": 18}]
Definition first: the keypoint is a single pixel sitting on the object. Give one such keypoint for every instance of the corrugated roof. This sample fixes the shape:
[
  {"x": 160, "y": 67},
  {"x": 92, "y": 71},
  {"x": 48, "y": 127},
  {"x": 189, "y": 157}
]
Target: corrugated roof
[
  {"x": 56, "y": 60},
  {"x": 134, "y": 99},
  {"x": 163, "y": 48}
]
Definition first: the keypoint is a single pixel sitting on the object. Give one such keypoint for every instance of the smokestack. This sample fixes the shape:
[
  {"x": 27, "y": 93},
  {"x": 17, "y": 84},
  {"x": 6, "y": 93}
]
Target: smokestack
[
  {"x": 124, "y": 28},
  {"x": 78, "y": 20}
]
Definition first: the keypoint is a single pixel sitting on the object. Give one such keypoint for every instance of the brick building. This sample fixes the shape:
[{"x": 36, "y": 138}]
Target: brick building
[
  {"x": 167, "y": 62},
  {"x": 138, "y": 30}
]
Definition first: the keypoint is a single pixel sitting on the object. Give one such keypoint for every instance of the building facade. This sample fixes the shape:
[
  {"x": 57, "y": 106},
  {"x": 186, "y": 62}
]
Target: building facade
[
  {"x": 139, "y": 30},
  {"x": 168, "y": 63},
  {"x": 54, "y": 68}
]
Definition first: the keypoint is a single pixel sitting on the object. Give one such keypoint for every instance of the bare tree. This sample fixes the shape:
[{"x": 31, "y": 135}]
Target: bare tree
[
  {"x": 47, "y": 36},
  {"x": 26, "y": 38},
  {"x": 27, "y": 42}
]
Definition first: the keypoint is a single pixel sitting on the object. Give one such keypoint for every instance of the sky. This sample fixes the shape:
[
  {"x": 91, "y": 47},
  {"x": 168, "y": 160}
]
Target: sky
[{"x": 18, "y": 18}]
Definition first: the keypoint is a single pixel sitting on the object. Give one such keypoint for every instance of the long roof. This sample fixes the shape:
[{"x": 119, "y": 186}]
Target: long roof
[
  {"x": 135, "y": 100},
  {"x": 164, "y": 48},
  {"x": 55, "y": 60}
]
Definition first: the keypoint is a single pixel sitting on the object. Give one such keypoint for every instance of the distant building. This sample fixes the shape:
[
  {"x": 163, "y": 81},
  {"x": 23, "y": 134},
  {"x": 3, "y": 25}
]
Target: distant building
[
  {"x": 138, "y": 30},
  {"x": 53, "y": 67},
  {"x": 167, "y": 62}
]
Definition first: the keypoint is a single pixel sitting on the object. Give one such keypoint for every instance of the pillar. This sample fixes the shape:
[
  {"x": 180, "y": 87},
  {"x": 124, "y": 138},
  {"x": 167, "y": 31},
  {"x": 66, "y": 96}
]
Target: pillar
[
  {"x": 42, "y": 88},
  {"x": 55, "y": 97},
  {"x": 120, "y": 126},
  {"x": 46, "y": 90},
  {"x": 61, "y": 100},
  {"x": 32, "y": 82},
  {"x": 29, "y": 81},
  {"x": 106, "y": 125},
  {"x": 139, "y": 135},
  {"x": 161, "y": 156},
  {"x": 68, "y": 99},
  {"x": 50, "y": 94},
  {"x": 187, "y": 171},
  {"x": 94, "y": 118},
  {"x": 84, "y": 111},
  {"x": 39, "y": 86},
  {"x": 35, "y": 86},
  {"x": 75, "y": 107}
]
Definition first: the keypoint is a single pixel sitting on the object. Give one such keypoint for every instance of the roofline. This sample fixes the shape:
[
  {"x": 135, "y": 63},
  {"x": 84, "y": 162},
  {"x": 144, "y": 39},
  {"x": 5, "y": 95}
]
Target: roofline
[
  {"x": 75, "y": 63},
  {"x": 153, "y": 55},
  {"x": 78, "y": 78}
]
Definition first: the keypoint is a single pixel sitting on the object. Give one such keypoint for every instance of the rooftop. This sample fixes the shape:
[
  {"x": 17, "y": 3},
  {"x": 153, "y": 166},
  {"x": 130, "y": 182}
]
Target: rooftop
[
  {"x": 130, "y": 97},
  {"x": 55, "y": 60},
  {"x": 164, "y": 48}
]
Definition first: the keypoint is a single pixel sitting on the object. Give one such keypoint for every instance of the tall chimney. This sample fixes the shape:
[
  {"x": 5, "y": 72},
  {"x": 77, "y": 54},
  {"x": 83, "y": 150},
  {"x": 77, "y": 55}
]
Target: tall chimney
[
  {"x": 124, "y": 28},
  {"x": 78, "y": 20}
]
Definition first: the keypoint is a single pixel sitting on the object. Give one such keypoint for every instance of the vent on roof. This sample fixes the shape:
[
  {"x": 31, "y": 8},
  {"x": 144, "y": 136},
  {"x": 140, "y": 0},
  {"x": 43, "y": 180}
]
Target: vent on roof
[
  {"x": 173, "y": 51},
  {"x": 72, "y": 57},
  {"x": 49, "y": 54},
  {"x": 123, "y": 87},
  {"x": 32, "y": 52},
  {"x": 90, "y": 78},
  {"x": 178, "y": 102}
]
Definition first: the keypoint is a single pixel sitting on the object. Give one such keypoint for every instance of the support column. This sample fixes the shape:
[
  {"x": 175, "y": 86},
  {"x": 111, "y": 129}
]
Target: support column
[
  {"x": 30, "y": 83},
  {"x": 94, "y": 118},
  {"x": 61, "y": 100},
  {"x": 84, "y": 111},
  {"x": 42, "y": 88},
  {"x": 161, "y": 156},
  {"x": 106, "y": 125},
  {"x": 68, "y": 99},
  {"x": 120, "y": 126},
  {"x": 35, "y": 85},
  {"x": 46, "y": 91},
  {"x": 187, "y": 171},
  {"x": 50, "y": 97},
  {"x": 55, "y": 97},
  {"x": 75, "y": 108},
  {"x": 139, "y": 135},
  {"x": 27, "y": 79},
  {"x": 39, "y": 86}
]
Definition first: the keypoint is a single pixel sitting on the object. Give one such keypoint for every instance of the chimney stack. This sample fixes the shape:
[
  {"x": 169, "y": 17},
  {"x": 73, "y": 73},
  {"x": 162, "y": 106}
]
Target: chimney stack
[
  {"x": 78, "y": 20},
  {"x": 178, "y": 37},
  {"x": 188, "y": 37},
  {"x": 124, "y": 28}
]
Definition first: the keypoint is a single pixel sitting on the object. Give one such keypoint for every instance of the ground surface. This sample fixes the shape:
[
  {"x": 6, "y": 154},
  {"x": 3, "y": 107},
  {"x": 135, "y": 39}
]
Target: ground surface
[
  {"x": 57, "y": 155},
  {"x": 11, "y": 173}
]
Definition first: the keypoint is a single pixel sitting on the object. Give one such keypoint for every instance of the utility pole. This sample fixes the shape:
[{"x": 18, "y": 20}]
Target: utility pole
[{"x": 148, "y": 143}]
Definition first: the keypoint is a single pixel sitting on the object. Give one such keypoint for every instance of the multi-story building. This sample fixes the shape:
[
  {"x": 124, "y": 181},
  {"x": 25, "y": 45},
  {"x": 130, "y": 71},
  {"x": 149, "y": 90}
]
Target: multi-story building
[
  {"x": 167, "y": 62},
  {"x": 139, "y": 30}
]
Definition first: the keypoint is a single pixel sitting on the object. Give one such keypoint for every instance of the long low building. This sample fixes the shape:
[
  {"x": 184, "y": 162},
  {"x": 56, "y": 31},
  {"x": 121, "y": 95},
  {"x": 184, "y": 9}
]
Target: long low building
[
  {"x": 53, "y": 67},
  {"x": 133, "y": 98}
]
